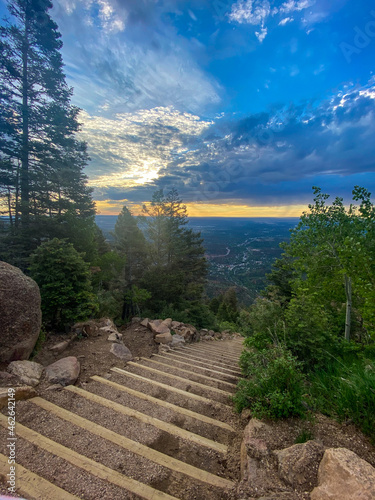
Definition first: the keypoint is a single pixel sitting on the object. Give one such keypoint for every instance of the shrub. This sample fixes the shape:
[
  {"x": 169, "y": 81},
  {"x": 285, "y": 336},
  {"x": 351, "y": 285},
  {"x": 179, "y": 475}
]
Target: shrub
[
  {"x": 275, "y": 385},
  {"x": 64, "y": 281}
]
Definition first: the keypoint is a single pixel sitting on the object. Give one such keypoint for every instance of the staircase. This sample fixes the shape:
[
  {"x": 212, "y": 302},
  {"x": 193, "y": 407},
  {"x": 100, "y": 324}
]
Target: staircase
[{"x": 163, "y": 428}]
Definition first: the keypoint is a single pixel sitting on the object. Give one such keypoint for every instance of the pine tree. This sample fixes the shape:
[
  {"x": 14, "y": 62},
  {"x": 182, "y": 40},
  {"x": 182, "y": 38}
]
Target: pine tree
[
  {"x": 130, "y": 244},
  {"x": 41, "y": 161}
]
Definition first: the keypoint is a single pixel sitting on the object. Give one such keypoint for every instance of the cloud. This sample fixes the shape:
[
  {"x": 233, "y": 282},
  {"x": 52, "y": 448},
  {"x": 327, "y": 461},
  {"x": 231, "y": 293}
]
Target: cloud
[
  {"x": 296, "y": 6},
  {"x": 265, "y": 159},
  {"x": 261, "y": 35},
  {"x": 285, "y": 21},
  {"x": 250, "y": 12},
  {"x": 123, "y": 56}
]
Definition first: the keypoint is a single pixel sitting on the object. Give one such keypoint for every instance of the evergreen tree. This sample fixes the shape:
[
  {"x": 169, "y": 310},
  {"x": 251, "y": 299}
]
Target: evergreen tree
[
  {"x": 130, "y": 244},
  {"x": 178, "y": 268},
  {"x": 41, "y": 161}
]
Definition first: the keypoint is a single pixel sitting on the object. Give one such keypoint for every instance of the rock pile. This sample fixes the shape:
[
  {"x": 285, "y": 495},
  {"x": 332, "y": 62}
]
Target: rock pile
[{"x": 301, "y": 469}]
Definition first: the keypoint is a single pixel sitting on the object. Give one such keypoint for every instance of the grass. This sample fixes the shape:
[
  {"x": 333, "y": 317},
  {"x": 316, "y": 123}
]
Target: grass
[{"x": 346, "y": 391}]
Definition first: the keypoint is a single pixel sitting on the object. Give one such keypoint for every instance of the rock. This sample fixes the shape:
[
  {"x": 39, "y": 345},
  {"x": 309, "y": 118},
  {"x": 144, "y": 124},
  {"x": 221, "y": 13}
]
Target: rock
[
  {"x": 344, "y": 476},
  {"x": 90, "y": 328},
  {"x": 175, "y": 324},
  {"x": 55, "y": 387},
  {"x": 164, "y": 338},
  {"x": 207, "y": 337},
  {"x": 177, "y": 340},
  {"x": 211, "y": 333},
  {"x": 65, "y": 371},
  {"x": 163, "y": 348},
  {"x": 23, "y": 392},
  {"x": 167, "y": 322},
  {"x": 20, "y": 314},
  {"x": 298, "y": 464},
  {"x": 145, "y": 322},
  {"x": 115, "y": 337},
  {"x": 121, "y": 351},
  {"x": 252, "y": 449},
  {"x": 7, "y": 377},
  {"x": 136, "y": 320},
  {"x": 60, "y": 347},
  {"x": 158, "y": 328},
  {"x": 28, "y": 372}
]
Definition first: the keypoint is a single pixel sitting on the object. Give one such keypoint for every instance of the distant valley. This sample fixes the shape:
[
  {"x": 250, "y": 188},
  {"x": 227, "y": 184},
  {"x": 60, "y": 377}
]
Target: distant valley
[{"x": 240, "y": 251}]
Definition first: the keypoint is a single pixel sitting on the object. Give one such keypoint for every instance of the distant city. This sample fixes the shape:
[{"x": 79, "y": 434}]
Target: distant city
[{"x": 240, "y": 251}]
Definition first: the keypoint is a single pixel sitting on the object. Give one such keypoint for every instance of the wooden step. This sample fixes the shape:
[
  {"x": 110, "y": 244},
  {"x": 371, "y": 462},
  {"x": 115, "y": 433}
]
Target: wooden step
[
  {"x": 213, "y": 362},
  {"x": 133, "y": 446},
  {"x": 165, "y": 404},
  {"x": 146, "y": 419},
  {"x": 31, "y": 485},
  {"x": 196, "y": 360},
  {"x": 87, "y": 464},
  {"x": 231, "y": 386},
  {"x": 192, "y": 365},
  {"x": 207, "y": 389},
  {"x": 232, "y": 360}
]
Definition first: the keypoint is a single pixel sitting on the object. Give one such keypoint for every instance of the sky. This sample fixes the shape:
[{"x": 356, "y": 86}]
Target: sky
[{"x": 242, "y": 106}]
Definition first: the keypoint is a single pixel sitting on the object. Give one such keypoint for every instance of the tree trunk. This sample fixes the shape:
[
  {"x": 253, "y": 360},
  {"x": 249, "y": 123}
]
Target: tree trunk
[
  {"x": 348, "y": 293},
  {"x": 25, "y": 133}
]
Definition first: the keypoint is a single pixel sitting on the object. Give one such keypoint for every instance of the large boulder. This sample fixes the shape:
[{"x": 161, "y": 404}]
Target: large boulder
[
  {"x": 253, "y": 449},
  {"x": 20, "y": 314},
  {"x": 20, "y": 393},
  {"x": 163, "y": 338},
  {"x": 298, "y": 464},
  {"x": 28, "y": 372},
  {"x": 344, "y": 476},
  {"x": 65, "y": 371},
  {"x": 121, "y": 351}
]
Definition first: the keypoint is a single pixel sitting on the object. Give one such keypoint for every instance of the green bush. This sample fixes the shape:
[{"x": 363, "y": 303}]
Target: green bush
[
  {"x": 64, "y": 281},
  {"x": 275, "y": 385}
]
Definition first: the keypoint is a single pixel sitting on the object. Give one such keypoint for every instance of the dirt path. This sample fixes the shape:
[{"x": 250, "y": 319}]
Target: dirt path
[{"x": 158, "y": 428}]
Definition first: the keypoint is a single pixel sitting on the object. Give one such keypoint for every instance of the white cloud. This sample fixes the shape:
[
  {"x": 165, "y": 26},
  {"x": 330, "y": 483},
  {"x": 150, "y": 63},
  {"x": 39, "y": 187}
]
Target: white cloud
[
  {"x": 261, "y": 35},
  {"x": 292, "y": 5},
  {"x": 130, "y": 149},
  {"x": 285, "y": 21},
  {"x": 250, "y": 12}
]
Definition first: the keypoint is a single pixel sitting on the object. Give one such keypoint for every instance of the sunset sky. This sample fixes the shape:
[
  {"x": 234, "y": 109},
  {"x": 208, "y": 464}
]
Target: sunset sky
[{"x": 242, "y": 106}]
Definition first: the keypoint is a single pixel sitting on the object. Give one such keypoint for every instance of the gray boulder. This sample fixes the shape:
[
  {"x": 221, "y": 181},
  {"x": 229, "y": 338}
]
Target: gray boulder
[
  {"x": 121, "y": 351},
  {"x": 20, "y": 314},
  {"x": 65, "y": 371},
  {"x": 28, "y": 372}
]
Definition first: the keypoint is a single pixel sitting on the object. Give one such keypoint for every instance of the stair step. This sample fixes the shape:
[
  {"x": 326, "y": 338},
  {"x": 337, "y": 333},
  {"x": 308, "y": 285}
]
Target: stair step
[
  {"x": 208, "y": 360},
  {"x": 181, "y": 382},
  {"x": 165, "y": 404},
  {"x": 146, "y": 419},
  {"x": 230, "y": 386},
  {"x": 194, "y": 359},
  {"x": 87, "y": 464},
  {"x": 223, "y": 357},
  {"x": 33, "y": 486},
  {"x": 133, "y": 446},
  {"x": 215, "y": 372}
]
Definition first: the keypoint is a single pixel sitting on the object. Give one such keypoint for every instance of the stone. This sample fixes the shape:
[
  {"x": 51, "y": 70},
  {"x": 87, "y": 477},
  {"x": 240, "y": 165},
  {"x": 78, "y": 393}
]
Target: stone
[
  {"x": 298, "y": 464},
  {"x": 60, "y": 347},
  {"x": 163, "y": 348},
  {"x": 89, "y": 328},
  {"x": 211, "y": 333},
  {"x": 167, "y": 322},
  {"x": 65, "y": 371},
  {"x": 28, "y": 372},
  {"x": 177, "y": 340},
  {"x": 20, "y": 314},
  {"x": 136, "y": 320},
  {"x": 115, "y": 337},
  {"x": 55, "y": 387},
  {"x": 175, "y": 324},
  {"x": 121, "y": 351},
  {"x": 145, "y": 322},
  {"x": 343, "y": 475},
  {"x": 164, "y": 338},
  {"x": 21, "y": 393},
  {"x": 252, "y": 449}
]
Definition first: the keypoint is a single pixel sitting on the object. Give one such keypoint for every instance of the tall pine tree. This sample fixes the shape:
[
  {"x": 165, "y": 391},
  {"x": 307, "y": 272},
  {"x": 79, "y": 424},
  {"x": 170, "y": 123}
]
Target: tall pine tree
[{"x": 41, "y": 161}]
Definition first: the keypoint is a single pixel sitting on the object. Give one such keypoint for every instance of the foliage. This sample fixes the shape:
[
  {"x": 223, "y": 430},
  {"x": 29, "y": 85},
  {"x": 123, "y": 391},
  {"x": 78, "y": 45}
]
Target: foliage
[
  {"x": 274, "y": 386},
  {"x": 346, "y": 390},
  {"x": 64, "y": 281},
  {"x": 196, "y": 313},
  {"x": 43, "y": 191}
]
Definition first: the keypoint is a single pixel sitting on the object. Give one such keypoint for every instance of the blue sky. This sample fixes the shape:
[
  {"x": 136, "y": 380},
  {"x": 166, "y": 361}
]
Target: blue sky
[{"x": 242, "y": 106}]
